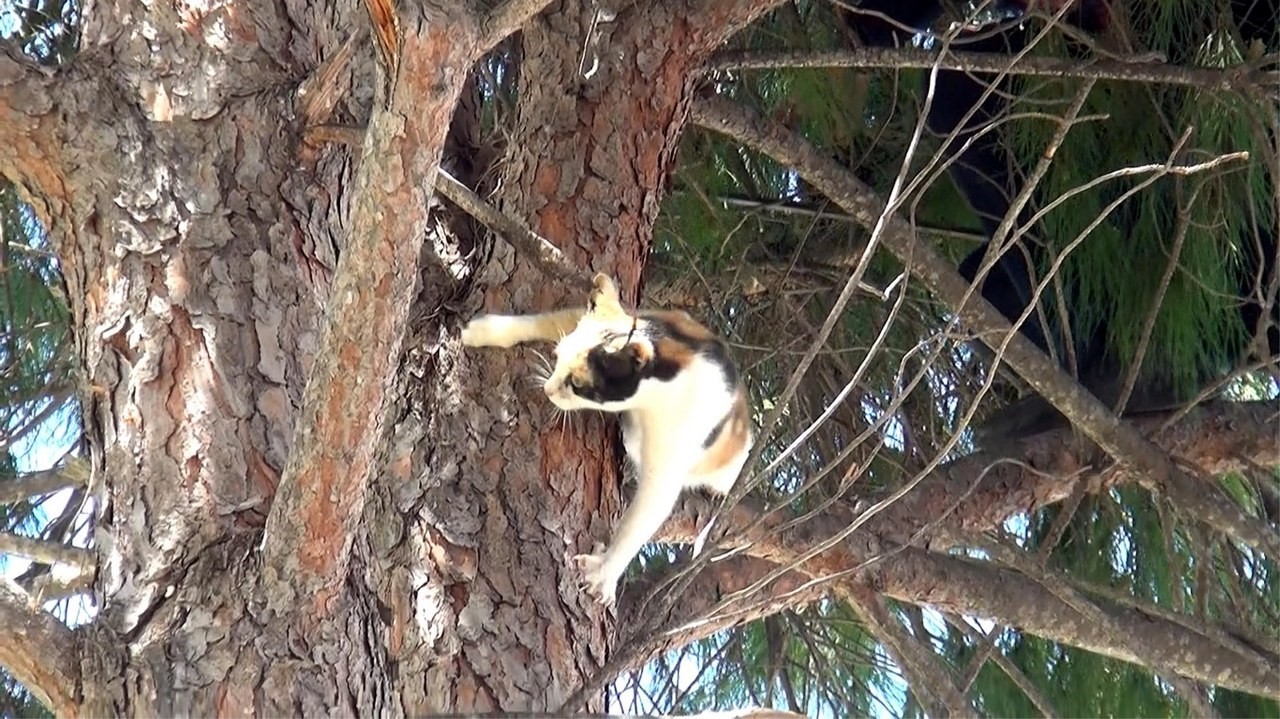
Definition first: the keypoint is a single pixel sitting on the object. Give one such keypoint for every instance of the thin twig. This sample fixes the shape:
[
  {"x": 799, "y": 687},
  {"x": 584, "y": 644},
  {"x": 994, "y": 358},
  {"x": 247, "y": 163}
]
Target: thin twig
[
  {"x": 920, "y": 665},
  {"x": 1248, "y": 78}
]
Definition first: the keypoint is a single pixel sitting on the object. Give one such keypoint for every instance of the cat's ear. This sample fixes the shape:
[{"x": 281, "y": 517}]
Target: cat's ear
[
  {"x": 638, "y": 353},
  {"x": 605, "y": 300}
]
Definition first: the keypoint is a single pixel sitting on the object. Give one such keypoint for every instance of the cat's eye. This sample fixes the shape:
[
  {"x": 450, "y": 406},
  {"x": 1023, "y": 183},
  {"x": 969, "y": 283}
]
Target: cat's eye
[{"x": 575, "y": 383}]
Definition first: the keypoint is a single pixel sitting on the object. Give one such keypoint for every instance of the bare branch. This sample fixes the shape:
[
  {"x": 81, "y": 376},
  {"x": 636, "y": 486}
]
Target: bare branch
[
  {"x": 928, "y": 677},
  {"x": 702, "y": 610},
  {"x": 1016, "y": 675},
  {"x": 544, "y": 255},
  {"x": 73, "y": 472},
  {"x": 1085, "y": 411},
  {"x": 981, "y": 490},
  {"x": 46, "y": 552},
  {"x": 1248, "y": 78},
  {"x": 39, "y": 651},
  {"x": 53, "y": 586},
  {"x": 974, "y": 588}
]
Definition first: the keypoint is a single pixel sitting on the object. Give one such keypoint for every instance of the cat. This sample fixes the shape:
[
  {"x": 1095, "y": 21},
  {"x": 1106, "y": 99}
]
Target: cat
[{"x": 682, "y": 405}]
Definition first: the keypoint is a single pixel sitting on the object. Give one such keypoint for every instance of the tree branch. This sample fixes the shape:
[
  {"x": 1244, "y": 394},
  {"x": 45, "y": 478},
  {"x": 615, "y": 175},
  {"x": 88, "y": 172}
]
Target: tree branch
[
  {"x": 974, "y": 588},
  {"x": 322, "y": 490},
  {"x": 39, "y": 651},
  {"x": 1247, "y": 78},
  {"x": 979, "y": 491},
  {"x": 1085, "y": 411},
  {"x": 822, "y": 548},
  {"x": 722, "y": 596},
  {"x": 73, "y": 473},
  {"x": 45, "y": 552},
  {"x": 507, "y": 18},
  {"x": 539, "y": 251}
]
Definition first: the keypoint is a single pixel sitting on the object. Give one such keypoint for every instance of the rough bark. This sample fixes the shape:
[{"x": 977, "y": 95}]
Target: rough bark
[
  {"x": 321, "y": 495},
  {"x": 586, "y": 165}
]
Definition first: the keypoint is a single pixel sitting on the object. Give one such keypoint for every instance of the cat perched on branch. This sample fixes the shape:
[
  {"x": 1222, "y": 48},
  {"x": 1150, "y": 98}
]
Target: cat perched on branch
[{"x": 682, "y": 405}]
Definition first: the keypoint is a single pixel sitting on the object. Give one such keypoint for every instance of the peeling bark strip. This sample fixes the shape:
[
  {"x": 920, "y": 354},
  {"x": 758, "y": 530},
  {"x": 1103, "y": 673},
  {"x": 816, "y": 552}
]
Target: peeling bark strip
[{"x": 322, "y": 491}]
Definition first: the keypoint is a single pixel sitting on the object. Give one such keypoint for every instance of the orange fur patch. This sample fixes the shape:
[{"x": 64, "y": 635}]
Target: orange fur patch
[{"x": 732, "y": 438}]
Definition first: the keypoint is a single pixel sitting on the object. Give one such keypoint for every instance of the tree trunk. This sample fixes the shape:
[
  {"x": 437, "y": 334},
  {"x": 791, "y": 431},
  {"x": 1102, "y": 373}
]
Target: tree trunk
[{"x": 405, "y": 551}]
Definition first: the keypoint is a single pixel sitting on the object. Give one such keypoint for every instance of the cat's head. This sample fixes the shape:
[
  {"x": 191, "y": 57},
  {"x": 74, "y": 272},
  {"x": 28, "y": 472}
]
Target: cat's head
[{"x": 602, "y": 363}]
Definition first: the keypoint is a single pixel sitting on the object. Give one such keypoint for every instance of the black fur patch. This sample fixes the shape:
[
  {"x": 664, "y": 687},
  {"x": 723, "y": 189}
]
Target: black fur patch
[
  {"x": 614, "y": 375},
  {"x": 716, "y": 430}
]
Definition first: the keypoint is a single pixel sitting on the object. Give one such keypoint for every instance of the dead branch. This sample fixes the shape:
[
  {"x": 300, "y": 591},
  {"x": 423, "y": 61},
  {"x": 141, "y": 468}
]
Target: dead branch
[
  {"x": 53, "y": 586},
  {"x": 654, "y": 633},
  {"x": 979, "y": 491},
  {"x": 1084, "y": 410},
  {"x": 539, "y": 251},
  {"x": 1246, "y": 78},
  {"x": 39, "y": 651},
  {"x": 1016, "y": 675}
]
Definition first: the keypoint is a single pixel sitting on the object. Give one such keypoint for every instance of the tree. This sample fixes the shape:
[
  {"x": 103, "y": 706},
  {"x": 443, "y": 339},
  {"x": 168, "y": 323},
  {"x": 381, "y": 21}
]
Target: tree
[{"x": 307, "y": 498}]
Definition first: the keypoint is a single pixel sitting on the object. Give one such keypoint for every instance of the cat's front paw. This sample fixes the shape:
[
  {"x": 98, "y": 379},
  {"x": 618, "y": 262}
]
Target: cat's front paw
[
  {"x": 594, "y": 580},
  {"x": 490, "y": 331}
]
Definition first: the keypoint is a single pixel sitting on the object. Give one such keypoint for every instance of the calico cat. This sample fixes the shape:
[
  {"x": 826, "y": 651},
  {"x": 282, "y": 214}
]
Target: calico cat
[{"x": 682, "y": 405}]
